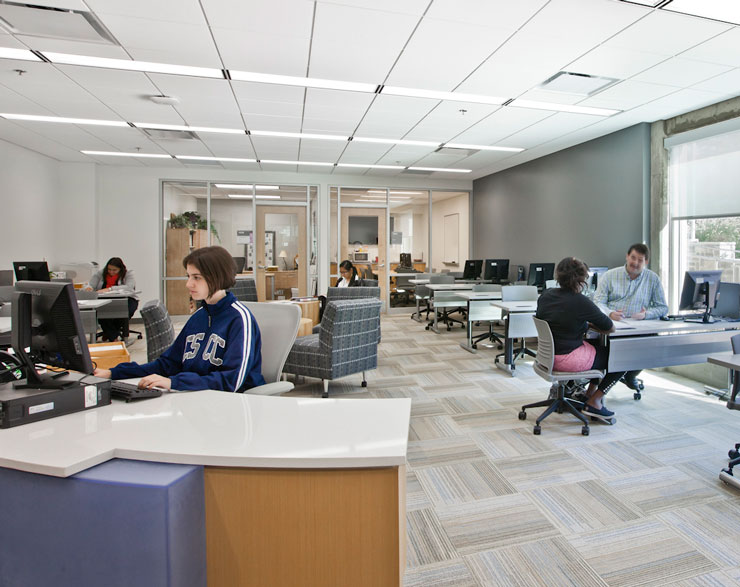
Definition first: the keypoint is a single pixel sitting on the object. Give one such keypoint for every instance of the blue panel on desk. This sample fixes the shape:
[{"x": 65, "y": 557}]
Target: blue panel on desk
[{"x": 120, "y": 523}]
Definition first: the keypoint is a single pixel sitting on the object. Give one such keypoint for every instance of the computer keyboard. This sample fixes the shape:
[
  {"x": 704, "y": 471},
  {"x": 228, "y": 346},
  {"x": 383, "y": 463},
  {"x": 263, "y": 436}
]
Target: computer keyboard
[{"x": 129, "y": 391}]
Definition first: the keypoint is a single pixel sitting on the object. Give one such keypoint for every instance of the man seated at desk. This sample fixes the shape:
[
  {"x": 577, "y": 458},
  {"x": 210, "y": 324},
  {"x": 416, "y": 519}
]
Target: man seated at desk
[{"x": 634, "y": 292}]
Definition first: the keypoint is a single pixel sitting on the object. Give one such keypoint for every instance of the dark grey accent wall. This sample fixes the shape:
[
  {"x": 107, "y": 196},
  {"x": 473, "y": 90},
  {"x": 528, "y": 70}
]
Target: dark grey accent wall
[{"x": 587, "y": 201}]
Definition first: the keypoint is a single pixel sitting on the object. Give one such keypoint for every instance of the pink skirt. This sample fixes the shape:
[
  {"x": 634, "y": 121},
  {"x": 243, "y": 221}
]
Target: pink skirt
[{"x": 580, "y": 359}]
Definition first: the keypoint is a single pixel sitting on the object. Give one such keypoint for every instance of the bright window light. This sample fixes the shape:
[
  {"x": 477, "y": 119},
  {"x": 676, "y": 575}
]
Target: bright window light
[
  {"x": 369, "y": 166},
  {"x": 121, "y": 154},
  {"x": 395, "y": 192},
  {"x": 724, "y": 10},
  {"x": 249, "y": 197},
  {"x": 34, "y": 118},
  {"x": 280, "y": 162},
  {"x": 396, "y": 142},
  {"x": 154, "y": 125},
  {"x": 129, "y": 65},
  {"x": 307, "y": 82},
  {"x": 227, "y": 159},
  {"x": 22, "y": 54},
  {"x": 245, "y": 186},
  {"x": 563, "y": 108},
  {"x": 297, "y": 135},
  {"x": 440, "y": 169},
  {"x": 449, "y": 96},
  {"x": 483, "y": 147}
]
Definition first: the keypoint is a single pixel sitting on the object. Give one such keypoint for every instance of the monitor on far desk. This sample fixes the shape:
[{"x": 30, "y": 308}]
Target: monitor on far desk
[
  {"x": 539, "y": 273},
  {"x": 728, "y": 304},
  {"x": 594, "y": 274},
  {"x": 496, "y": 270},
  {"x": 473, "y": 268},
  {"x": 31, "y": 270}
]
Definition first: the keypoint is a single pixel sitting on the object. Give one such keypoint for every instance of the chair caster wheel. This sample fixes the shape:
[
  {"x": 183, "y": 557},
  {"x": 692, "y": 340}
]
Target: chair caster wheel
[
  {"x": 449, "y": 328},
  {"x": 474, "y": 346},
  {"x": 560, "y": 410},
  {"x": 500, "y": 347},
  {"x": 733, "y": 454},
  {"x": 637, "y": 395},
  {"x": 522, "y": 415},
  {"x": 585, "y": 431},
  {"x": 537, "y": 429},
  {"x": 364, "y": 384}
]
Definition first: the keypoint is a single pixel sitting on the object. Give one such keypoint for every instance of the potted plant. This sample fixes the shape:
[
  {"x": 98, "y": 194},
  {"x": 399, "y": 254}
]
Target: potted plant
[{"x": 193, "y": 221}]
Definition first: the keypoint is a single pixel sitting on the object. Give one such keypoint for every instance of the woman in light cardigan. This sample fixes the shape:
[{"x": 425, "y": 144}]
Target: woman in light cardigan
[{"x": 115, "y": 278}]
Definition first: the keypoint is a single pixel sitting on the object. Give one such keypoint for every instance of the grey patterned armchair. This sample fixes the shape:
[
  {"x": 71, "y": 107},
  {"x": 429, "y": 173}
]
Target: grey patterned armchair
[
  {"x": 342, "y": 293},
  {"x": 347, "y": 342},
  {"x": 245, "y": 290},
  {"x": 160, "y": 333}
]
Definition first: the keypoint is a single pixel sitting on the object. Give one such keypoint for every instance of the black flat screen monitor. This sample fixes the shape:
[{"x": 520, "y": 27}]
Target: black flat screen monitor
[
  {"x": 728, "y": 304},
  {"x": 31, "y": 270},
  {"x": 594, "y": 273},
  {"x": 404, "y": 260},
  {"x": 539, "y": 273},
  {"x": 700, "y": 289},
  {"x": 472, "y": 270},
  {"x": 46, "y": 318},
  {"x": 496, "y": 270}
]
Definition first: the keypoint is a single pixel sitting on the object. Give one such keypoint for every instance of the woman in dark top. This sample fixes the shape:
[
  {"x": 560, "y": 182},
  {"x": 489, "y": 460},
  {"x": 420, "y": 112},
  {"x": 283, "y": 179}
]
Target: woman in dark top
[
  {"x": 349, "y": 277},
  {"x": 569, "y": 314}
]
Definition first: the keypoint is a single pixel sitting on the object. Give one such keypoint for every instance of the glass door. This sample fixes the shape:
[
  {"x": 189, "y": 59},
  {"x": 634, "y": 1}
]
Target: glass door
[{"x": 280, "y": 248}]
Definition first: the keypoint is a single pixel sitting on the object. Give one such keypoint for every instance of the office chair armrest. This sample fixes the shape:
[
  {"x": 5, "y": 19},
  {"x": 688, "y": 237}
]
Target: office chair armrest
[{"x": 271, "y": 388}]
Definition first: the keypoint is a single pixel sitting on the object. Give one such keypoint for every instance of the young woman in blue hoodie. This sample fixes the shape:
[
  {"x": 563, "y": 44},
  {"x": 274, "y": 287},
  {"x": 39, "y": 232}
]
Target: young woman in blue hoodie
[{"x": 218, "y": 348}]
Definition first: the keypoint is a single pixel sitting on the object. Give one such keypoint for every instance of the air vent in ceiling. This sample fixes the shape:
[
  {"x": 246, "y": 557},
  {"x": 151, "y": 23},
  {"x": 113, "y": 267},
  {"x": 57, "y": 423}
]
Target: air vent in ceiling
[
  {"x": 159, "y": 134},
  {"x": 53, "y": 23},
  {"x": 581, "y": 84},
  {"x": 457, "y": 151},
  {"x": 417, "y": 172}
]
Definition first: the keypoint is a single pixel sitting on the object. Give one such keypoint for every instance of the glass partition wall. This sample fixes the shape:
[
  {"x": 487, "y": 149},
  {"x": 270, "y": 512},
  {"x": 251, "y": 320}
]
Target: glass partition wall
[{"x": 264, "y": 227}]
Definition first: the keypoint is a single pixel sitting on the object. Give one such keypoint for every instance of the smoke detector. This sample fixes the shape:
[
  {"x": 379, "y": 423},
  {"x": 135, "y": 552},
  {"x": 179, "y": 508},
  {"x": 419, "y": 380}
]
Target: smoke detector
[{"x": 165, "y": 100}]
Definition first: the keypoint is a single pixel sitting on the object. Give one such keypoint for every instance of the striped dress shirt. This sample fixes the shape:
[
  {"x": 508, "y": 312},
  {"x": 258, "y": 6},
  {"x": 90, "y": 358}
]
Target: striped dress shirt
[{"x": 616, "y": 291}]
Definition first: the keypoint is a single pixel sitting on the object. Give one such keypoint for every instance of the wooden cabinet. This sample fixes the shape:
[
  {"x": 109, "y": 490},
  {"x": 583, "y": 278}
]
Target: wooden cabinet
[{"x": 178, "y": 244}]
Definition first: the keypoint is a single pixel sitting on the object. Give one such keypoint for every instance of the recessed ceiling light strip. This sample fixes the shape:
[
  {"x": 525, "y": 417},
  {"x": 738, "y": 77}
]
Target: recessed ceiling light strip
[
  {"x": 570, "y": 108},
  {"x": 483, "y": 147},
  {"x": 21, "y": 54},
  {"x": 370, "y": 166},
  {"x": 396, "y": 142},
  {"x": 306, "y": 82},
  {"x": 185, "y": 127},
  {"x": 130, "y": 65},
  {"x": 247, "y": 186},
  {"x": 298, "y": 135},
  {"x": 122, "y": 154},
  {"x": 249, "y": 197},
  {"x": 280, "y": 162},
  {"x": 226, "y": 159},
  {"x": 439, "y": 169},
  {"x": 62, "y": 119},
  {"x": 448, "y": 96}
]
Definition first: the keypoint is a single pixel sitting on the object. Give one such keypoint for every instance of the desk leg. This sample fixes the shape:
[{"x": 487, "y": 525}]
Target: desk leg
[
  {"x": 508, "y": 364},
  {"x": 468, "y": 344},
  {"x": 417, "y": 315},
  {"x": 434, "y": 324}
]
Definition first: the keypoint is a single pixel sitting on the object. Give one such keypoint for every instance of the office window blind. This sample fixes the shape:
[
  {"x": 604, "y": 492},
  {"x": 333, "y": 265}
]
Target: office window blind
[{"x": 704, "y": 176}]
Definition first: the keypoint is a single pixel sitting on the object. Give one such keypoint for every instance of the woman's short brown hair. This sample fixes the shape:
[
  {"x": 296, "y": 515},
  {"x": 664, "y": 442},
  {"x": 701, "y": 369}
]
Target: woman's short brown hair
[
  {"x": 216, "y": 265},
  {"x": 572, "y": 274}
]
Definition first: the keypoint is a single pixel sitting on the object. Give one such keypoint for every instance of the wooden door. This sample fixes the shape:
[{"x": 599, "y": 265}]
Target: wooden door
[{"x": 287, "y": 274}]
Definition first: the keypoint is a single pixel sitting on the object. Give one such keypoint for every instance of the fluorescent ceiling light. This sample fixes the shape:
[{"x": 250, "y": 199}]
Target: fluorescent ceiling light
[
  {"x": 121, "y": 154},
  {"x": 450, "y": 96},
  {"x": 228, "y": 159},
  {"x": 249, "y": 197},
  {"x": 22, "y": 54},
  {"x": 394, "y": 192},
  {"x": 246, "y": 186},
  {"x": 439, "y": 169},
  {"x": 563, "y": 108},
  {"x": 367, "y": 165},
  {"x": 33, "y": 118},
  {"x": 307, "y": 82},
  {"x": 279, "y": 162},
  {"x": 145, "y": 66},
  {"x": 154, "y": 125},
  {"x": 396, "y": 142},
  {"x": 297, "y": 135},
  {"x": 483, "y": 147},
  {"x": 724, "y": 10}
]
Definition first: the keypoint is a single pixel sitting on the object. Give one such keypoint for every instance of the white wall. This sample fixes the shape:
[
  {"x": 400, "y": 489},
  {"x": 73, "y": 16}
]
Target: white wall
[{"x": 440, "y": 209}]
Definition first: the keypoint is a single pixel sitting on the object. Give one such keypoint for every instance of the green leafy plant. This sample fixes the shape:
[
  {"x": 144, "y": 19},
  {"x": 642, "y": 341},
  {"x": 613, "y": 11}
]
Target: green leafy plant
[{"x": 193, "y": 221}]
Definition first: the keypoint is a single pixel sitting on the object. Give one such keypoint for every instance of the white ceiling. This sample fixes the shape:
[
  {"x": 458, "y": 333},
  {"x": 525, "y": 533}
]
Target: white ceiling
[{"x": 667, "y": 64}]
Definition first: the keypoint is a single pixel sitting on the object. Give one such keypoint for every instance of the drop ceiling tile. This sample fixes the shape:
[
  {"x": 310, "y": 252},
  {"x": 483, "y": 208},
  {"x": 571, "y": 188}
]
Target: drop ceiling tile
[
  {"x": 615, "y": 62},
  {"x": 263, "y": 51},
  {"x": 329, "y": 126},
  {"x": 500, "y": 125},
  {"x": 269, "y": 99},
  {"x": 484, "y": 158},
  {"x": 141, "y": 109},
  {"x": 728, "y": 82},
  {"x": 74, "y": 47},
  {"x": 339, "y": 110},
  {"x": 551, "y": 128},
  {"x": 673, "y": 32},
  {"x": 451, "y": 66},
  {"x": 681, "y": 72},
  {"x": 346, "y": 44},
  {"x": 448, "y": 120},
  {"x": 676, "y": 103},
  {"x": 192, "y": 147},
  {"x": 553, "y": 97},
  {"x": 182, "y": 11},
  {"x": 274, "y": 123},
  {"x": 120, "y": 139},
  {"x": 404, "y": 155},
  {"x": 438, "y": 160},
  {"x": 321, "y": 151},
  {"x": 285, "y": 17},
  {"x": 723, "y": 49},
  {"x": 627, "y": 94},
  {"x": 510, "y": 16},
  {"x": 280, "y": 149},
  {"x": 165, "y": 42},
  {"x": 364, "y": 152},
  {"x": 110, "y": 84},
  {"x": 393, "y": 116}
]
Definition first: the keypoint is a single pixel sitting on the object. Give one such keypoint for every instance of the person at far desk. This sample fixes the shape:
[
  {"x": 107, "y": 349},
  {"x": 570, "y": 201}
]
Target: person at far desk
[
  {"x": 632, "y": 291},
  {"x": 115, "y": 278},
  {"x": 218, "y": 348},
  {"x": 349, "y": 277},
  {"x": 569, "y": 314}
]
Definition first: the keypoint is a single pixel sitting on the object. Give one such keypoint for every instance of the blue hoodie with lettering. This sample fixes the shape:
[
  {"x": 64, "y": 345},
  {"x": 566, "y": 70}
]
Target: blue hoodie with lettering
[{"x": 218, "y": 348}]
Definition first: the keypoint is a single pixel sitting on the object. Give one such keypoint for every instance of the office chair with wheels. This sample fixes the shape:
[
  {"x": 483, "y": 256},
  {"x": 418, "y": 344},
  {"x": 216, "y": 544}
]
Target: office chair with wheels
[
  {"x": 519, "y": 293},
  {"x": 449, "y": 304},
  {"x": 727, "y": 474},
  {"x": 543, "y": 366},
  {"x": 490, "y": 314}
]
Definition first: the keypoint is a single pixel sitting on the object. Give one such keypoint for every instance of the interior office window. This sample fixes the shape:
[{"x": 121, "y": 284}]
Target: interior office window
[
  {"x": 231, "y": 222},
  {"x": 704, "y": 208}
]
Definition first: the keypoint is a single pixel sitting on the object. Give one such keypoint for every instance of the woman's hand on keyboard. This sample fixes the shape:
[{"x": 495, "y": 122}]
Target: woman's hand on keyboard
[
  {"x": 155, "y": 381},
  {"x": 104, "y": 373}
]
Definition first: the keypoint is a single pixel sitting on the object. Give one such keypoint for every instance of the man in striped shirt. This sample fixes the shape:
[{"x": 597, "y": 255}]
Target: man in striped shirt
[{"x": 634, "y": 292}]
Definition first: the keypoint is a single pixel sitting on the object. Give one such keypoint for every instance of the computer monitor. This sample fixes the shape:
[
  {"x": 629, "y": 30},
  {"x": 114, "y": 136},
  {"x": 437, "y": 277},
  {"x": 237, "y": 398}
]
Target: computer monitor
[
  {"x": 700, "y": 289},
  {"x": 594, "y": 273},
  {"x": 497, "y": 270},
  {"x": 473, "y": 267},
  {"x": 404, "y": 260},
  {"x": 31, "y": 270},
  {"x": 539, "y": 273},
  {"x": 46, "y": 318},
  {"x": 728, "y": 304}
]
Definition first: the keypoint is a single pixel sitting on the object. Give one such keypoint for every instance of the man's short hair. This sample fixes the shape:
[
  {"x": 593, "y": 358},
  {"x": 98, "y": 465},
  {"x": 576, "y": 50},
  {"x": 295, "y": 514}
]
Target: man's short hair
[
  {"x": 216, "y": 265},
  {"x": 640, "y": 249}
]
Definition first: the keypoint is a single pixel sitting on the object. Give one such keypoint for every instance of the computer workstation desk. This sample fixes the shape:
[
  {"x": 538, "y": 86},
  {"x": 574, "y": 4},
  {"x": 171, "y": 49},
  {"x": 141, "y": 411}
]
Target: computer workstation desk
[{"x": 298, "y": 491}]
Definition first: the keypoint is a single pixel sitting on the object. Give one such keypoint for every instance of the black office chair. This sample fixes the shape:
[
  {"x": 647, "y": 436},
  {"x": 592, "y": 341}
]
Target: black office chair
[{"x": 726, "y": 474}]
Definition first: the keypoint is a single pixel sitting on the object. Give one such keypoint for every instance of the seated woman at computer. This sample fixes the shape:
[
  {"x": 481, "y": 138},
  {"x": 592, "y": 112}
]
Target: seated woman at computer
[
  {"x": 569, "y": 314},
  {"x": 116, "y": 278},
  {"x": 349, "y": 277},
  {"x": 632, "y": 291},
  {"x": 218, "y": 348}
]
